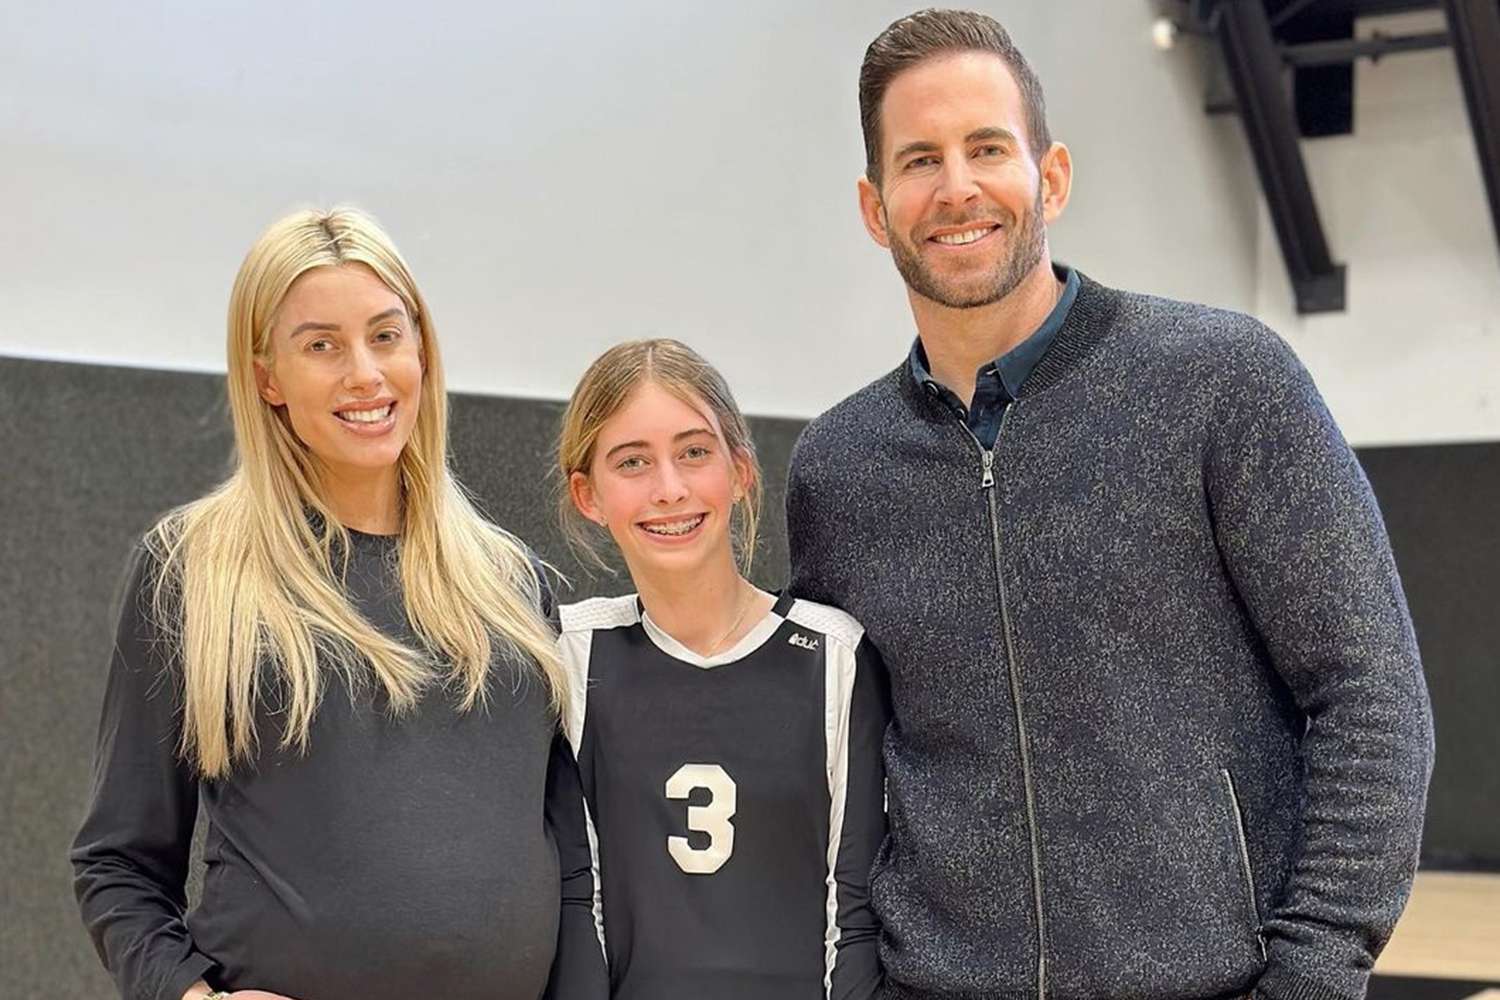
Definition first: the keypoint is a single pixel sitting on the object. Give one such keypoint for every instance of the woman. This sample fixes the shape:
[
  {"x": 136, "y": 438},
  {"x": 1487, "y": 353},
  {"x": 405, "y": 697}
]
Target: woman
[
  {"x": 728, "y": 739},
  {"x": 347, "y": 671}
]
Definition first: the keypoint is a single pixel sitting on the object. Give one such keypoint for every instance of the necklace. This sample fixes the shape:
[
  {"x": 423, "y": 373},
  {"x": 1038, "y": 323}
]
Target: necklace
[{"x": 744, "y": 610}]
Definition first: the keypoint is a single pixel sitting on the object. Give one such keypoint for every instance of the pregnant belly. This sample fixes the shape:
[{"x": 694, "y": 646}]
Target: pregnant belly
[{"x": 447, "y": 920}]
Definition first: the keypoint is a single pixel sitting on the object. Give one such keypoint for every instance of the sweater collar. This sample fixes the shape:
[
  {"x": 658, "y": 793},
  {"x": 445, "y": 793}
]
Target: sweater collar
[
  {"x": 1014, "y": 367},
  {"x": 1081, "y": 328}
]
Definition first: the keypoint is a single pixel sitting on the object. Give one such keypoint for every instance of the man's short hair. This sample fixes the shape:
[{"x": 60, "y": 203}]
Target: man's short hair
[{"x": 929, "y": 33}]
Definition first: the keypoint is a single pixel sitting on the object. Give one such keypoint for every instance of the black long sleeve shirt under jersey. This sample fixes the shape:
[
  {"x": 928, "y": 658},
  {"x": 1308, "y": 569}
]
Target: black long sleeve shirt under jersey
[{"x": 423, "y": 856}]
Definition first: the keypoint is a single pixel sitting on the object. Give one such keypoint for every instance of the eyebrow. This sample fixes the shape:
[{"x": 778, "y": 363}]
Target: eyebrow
[
  {"x": 989, "y": 132},
  {"x": 391, "y": 313},
  {"x": 642, "y": 444},
  {"x": 313, "y": 325}
]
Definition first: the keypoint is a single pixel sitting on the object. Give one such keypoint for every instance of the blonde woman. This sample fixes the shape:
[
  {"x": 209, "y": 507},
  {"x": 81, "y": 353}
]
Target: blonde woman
[
  {"x": 348, "y": 672},
  {"x": 728, "y": 738}
]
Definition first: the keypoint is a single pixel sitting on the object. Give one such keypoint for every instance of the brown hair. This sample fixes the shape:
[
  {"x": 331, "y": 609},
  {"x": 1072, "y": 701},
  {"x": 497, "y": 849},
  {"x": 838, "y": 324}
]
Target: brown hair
[
  {"x": 929, "y": 33},
  {"x": 604, "y": 389}
]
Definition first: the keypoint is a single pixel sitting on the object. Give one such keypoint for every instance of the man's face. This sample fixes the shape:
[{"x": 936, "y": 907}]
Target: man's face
[{"x": 960, "y": 202}]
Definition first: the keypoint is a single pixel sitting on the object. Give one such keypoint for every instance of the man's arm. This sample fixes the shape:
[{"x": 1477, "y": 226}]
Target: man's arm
[
  {"x": 807, "y": 534},
  {"x": 1304, "y": 542}
]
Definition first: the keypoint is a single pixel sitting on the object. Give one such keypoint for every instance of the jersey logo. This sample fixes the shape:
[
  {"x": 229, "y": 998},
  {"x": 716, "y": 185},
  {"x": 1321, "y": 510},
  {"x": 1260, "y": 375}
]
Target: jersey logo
[{"x": 798, "y": 639}]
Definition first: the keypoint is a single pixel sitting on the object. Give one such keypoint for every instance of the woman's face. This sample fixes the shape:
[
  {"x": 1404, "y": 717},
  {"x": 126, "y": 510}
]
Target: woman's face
[
  {"x": 346, "y": 363},
  {"x": 663, "y": 482}
]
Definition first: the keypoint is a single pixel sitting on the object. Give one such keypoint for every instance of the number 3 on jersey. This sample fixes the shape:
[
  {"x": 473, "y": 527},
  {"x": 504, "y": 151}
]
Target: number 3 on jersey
[{"x": 712, "y": 819}]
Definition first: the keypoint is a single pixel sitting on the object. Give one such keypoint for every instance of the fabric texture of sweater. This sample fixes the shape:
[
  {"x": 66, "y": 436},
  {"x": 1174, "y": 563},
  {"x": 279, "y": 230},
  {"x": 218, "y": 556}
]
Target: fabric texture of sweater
[
  {"x": 1160, "y": 724},
  {"x": 424, "y": 856}
]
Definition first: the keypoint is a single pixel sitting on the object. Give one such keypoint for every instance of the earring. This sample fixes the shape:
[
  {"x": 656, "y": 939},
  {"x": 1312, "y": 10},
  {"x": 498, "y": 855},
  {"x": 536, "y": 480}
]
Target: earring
[{"x": 603, "y": 521}]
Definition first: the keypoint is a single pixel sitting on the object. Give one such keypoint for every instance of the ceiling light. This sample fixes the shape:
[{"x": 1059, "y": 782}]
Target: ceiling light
[{"x": 1164, "y": 33}]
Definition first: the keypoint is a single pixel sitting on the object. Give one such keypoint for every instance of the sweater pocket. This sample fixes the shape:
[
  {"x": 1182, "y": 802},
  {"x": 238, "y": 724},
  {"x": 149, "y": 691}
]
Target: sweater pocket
[{"x": 1236, "y": 818}]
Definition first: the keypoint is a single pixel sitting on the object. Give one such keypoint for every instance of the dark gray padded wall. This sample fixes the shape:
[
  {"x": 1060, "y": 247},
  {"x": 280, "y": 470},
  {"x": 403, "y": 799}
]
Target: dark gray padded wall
[
  {"x": 91, "y": 455},
  {"x": 1442, "y": 508}
]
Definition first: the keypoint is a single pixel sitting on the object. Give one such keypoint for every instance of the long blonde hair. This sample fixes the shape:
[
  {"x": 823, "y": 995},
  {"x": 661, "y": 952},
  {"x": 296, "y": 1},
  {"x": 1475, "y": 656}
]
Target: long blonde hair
[
  {"x": 250, "y": 575},
  {"x": 604, "y": 389}
]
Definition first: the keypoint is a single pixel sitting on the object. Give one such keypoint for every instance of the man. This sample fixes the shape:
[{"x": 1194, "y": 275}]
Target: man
[{"x": 1160, "y": 725}]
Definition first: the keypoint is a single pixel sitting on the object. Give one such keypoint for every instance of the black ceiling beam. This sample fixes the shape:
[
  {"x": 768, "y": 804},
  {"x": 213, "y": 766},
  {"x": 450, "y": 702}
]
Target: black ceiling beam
[
  {"x": 1344, "y": 52},
  {"x": 1288, "y": 10},
  {"x": 1199, "y": 13},
  {"x": 1257, "y": 72},
  {"x": 1322, "y": 95},
  {"x": 1475, "y": 28}
]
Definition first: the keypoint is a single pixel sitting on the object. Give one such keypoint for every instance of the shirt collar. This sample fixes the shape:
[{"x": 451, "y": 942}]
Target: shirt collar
[{"x": 1015, "y": 365}]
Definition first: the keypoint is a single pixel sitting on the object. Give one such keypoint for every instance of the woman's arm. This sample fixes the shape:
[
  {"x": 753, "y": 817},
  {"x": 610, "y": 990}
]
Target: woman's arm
[{"x": 130, "y": 857}]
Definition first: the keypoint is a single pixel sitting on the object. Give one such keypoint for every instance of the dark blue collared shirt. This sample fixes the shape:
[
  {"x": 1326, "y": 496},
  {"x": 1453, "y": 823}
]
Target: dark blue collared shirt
[{"x": 998, "y": 382}]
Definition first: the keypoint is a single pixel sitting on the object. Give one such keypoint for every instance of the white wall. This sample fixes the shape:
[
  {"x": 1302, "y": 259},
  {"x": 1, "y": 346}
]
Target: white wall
[
  {"x": 1416, "y": 355},
  {"x": 560, "y": 175}
]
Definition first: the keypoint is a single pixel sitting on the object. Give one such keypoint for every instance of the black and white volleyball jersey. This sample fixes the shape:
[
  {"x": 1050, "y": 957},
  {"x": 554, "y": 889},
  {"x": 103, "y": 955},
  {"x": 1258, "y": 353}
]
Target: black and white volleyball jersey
[{"x": 735, "y": 802}]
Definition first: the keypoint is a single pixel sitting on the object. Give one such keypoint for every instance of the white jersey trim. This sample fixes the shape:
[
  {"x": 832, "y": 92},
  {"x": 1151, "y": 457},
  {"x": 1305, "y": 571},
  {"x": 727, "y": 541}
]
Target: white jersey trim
[
  {"x": 753, "y": 640},
  {"x": 576, "y": 647},
  {"x": 839, "y": 669},
  {"x": 620, "y": 612},
  {"x": 588, "y": 819},
  {"x": 599, "y": 612},
  {"x": 830, "y": 621}
]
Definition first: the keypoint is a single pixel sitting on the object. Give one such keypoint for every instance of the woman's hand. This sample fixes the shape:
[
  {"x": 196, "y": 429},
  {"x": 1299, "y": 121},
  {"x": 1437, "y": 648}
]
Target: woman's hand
[{"x": 200, "y": 989}]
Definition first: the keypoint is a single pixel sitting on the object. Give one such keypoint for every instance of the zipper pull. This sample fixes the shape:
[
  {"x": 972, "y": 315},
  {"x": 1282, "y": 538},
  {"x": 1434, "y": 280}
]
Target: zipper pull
[{"x": 988, "y": 458}]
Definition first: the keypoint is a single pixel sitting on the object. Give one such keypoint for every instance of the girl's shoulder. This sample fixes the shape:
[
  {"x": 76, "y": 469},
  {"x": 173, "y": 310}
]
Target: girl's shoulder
[
  {"x": 840, "y": 626},
  {"x": 600, "y": 613}
]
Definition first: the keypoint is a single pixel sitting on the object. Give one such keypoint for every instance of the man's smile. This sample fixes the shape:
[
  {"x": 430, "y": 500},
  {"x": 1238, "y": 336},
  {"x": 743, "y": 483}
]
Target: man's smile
[{"x": 965, "y": 236}]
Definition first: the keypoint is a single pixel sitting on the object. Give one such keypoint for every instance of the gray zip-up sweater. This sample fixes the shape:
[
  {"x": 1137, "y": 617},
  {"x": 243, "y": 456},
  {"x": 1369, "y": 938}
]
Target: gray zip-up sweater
[{"x": 1160, "y": 724}]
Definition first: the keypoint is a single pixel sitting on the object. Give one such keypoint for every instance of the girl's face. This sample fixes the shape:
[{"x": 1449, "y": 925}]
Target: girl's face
[
  {"x": 663, "y": 481},
  {"x": 346, "y": 363}
]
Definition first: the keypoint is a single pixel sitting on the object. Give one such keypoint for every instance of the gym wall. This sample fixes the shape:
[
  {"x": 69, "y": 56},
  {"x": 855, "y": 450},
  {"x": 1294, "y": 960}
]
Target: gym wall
[
  {"x": 94, "y": 453},
  {"x": 566, "y": 175}
]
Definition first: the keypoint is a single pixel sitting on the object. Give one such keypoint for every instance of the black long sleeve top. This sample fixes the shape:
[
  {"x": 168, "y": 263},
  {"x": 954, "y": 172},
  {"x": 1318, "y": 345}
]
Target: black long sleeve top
[{"x": 438, "y": 854}]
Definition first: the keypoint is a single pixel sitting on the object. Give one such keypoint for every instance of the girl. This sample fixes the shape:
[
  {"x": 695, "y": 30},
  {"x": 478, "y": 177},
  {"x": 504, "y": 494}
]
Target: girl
[
  {"x": 347, "y": 670},
  {"x": 728, "y": 739}
]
